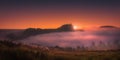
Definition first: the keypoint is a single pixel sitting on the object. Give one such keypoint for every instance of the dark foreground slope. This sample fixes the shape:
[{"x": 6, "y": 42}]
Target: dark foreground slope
[{"x": 12, "y": 51}]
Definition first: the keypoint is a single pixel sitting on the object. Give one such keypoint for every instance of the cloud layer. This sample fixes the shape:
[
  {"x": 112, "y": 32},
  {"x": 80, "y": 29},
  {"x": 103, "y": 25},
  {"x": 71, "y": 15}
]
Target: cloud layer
[{"x": 102, "y": 39}]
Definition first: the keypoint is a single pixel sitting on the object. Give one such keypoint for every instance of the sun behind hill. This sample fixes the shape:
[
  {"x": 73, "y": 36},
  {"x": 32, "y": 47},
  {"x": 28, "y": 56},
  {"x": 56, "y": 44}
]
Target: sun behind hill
[{"x": 75, "y": 27}]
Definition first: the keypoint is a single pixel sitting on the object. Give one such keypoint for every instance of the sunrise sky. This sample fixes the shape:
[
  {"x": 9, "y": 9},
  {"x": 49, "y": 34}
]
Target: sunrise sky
[{"x": 21, "y": 14}]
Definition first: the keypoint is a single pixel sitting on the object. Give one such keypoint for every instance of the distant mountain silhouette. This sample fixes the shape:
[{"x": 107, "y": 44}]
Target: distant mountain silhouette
[
  {"x": 108, "y": 26},
  {"x": 66, "y": 27},
  {"x": 33, "y": 31}
]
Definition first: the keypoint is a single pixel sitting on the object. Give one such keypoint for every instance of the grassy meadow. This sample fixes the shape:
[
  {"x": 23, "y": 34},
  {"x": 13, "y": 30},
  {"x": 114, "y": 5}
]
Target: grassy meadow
[{"x": 12, "y": 51}]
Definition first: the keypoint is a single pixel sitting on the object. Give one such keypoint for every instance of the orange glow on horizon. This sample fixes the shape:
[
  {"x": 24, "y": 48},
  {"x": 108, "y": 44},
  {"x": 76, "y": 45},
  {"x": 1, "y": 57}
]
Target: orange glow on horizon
[
  {"x": 56, "y": 15},
  {"x": 77, "y": 27}
]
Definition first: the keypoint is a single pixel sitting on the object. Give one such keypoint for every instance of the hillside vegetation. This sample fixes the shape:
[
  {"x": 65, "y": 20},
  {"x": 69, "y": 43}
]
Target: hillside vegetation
[{"x": 12, "y": 51}]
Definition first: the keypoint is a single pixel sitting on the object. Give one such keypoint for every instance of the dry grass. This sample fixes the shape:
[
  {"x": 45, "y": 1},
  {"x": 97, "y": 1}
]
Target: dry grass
[{"x": 10, "y": 51}]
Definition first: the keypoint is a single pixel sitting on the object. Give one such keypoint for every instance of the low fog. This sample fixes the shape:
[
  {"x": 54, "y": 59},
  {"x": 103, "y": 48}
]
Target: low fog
[{"x": 101, "y": 39}]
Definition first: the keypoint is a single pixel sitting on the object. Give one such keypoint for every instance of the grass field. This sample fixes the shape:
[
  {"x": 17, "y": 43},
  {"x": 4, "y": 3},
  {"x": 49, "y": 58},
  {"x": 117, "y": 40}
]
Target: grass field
[
  {"x": 87, "y": 55},
  {"x": 11, "y": 51}
]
